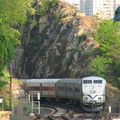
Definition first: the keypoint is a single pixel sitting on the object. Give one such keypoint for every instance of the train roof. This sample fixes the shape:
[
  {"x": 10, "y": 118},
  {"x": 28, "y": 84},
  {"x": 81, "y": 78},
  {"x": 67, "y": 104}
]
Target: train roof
[
  {"x": 50, "y": 80},
  {"x": 61, "y": 80},
  {"x": 42, "y": 80},
  {"x": 72, "y": 80},
  {"x": 92, "y": 77}
]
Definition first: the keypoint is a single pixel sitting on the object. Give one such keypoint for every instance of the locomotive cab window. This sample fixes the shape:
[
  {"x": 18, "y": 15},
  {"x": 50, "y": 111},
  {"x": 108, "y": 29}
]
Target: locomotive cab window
[
  {"x": 87, "y": 81},
  {"x": 98, "y": 81}
]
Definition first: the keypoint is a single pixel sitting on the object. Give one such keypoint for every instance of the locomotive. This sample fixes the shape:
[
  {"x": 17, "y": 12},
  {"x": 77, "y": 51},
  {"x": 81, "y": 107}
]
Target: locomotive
[{"x": 87, "y": 92}]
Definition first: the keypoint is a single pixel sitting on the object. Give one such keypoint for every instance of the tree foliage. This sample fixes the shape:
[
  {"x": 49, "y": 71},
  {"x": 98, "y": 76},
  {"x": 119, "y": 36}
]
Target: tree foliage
[
  {"x": 108, "y": 37},
  {"x": 12, "y": 12},
  {"x": 46, "y": 4},
  {"x": 99, "y": 66},
  {"x": 2, "y": 83},
  {"x": 107, "y": 58}
]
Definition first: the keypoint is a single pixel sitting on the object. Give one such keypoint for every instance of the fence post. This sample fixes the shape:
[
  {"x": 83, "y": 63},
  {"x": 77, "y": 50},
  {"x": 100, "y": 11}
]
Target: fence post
[{"x": 38, "y": 96}]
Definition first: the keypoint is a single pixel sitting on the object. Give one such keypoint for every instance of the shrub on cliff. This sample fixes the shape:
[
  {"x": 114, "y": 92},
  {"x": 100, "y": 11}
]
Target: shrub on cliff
[{"x": 12, "y": 13}]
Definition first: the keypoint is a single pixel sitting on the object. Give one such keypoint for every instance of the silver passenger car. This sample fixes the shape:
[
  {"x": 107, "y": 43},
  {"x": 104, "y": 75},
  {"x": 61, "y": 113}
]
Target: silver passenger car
[{"x": 87, "y": 92}]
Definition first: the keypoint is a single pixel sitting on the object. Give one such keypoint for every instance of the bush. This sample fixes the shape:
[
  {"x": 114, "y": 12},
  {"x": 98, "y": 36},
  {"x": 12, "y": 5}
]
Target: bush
[
  {"x": 46, "y": 4},
  {"x": 2, "y": 83}
]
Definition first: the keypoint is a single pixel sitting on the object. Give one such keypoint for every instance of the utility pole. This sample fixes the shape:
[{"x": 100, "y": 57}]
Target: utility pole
[{"x": 11, "y": 88}]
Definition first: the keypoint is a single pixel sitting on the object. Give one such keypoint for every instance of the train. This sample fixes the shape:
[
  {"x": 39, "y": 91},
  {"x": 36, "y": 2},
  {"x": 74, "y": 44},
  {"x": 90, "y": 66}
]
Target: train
[{"x": 88, "y": 92}]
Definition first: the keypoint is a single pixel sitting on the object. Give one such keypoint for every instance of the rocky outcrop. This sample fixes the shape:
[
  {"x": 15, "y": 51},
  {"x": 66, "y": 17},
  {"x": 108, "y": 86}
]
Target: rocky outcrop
[{"x": 57, "y": 46}]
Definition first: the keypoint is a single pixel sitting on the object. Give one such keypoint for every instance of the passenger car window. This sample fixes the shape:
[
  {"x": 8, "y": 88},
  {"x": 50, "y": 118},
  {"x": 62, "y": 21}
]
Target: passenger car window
[
  {"x": 97, "y": 81},
  {"x": 87, "y": 81}
]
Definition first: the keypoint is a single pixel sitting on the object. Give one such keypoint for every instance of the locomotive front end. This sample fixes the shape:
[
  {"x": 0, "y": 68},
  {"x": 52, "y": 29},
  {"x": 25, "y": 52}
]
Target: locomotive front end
[{"x": 93, "y": 92}]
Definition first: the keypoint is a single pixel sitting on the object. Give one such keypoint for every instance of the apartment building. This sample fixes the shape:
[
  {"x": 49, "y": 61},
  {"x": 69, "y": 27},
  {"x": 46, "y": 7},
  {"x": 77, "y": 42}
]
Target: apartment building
[
  {"x": 104, "y": 8},
  {"x": 75, "y": 3}
]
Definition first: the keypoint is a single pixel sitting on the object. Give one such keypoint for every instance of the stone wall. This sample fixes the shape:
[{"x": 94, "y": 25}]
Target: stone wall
[{"x": 5, "y": 115}]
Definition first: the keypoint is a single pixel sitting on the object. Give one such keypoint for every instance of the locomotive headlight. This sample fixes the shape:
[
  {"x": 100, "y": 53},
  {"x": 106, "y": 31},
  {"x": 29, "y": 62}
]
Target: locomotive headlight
[
  {"x": 86, "y": 98},
  {"x": 99, "y": 98}
]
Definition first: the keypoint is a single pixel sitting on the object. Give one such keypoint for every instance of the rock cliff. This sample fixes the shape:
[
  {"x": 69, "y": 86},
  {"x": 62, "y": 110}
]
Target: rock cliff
[{"x": 57, "y": 46}]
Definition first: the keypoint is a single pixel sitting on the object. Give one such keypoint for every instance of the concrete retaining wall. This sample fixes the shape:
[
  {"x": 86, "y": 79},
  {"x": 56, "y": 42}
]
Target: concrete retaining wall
[{"x": 5, "y": 115}]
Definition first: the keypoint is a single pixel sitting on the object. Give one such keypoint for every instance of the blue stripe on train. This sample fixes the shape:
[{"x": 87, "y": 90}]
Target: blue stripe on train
[{"x": 94, "y": 96}]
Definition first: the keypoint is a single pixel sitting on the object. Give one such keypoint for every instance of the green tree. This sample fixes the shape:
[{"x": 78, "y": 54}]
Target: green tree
[
  {"x": 107, "y": 58},
  {"x": 2, "y": 83},
  {"x": 12, "y": 13},
  {"x": 99, "y": 66},
  {"x": 108, "y": 37},
  {"x": 46, "y": 4}
]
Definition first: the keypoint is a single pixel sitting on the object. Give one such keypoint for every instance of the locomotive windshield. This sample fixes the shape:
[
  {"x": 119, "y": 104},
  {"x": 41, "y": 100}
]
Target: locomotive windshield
[
  {"x": 97, "y": 81},
  {"x": 87, "y": 81}
]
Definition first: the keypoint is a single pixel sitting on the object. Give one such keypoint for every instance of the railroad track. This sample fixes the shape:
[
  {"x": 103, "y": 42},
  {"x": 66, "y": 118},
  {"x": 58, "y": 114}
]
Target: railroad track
[
  {"x": 58, "y": 112},
  {"x": 58, "y": 118},
  {"x": 97, "y": 116},
  {"x": 84, "y": 116},
  {"x": 92, "y": 116},
  {"x": 64, "y": 113}
]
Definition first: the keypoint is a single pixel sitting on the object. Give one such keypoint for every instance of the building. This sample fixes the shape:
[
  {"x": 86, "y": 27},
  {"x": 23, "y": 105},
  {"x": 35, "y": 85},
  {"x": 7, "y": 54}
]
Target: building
[
  {"x": 102, "y": 8},
  {"x": 76, "y": 4}
]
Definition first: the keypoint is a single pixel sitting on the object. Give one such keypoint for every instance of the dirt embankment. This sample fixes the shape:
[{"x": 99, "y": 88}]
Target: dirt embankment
[{"x": 112, "y": 99}]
